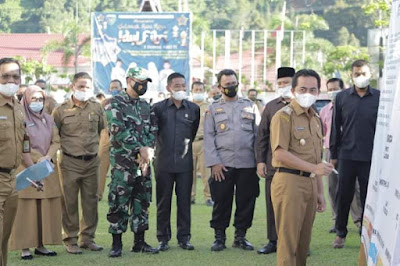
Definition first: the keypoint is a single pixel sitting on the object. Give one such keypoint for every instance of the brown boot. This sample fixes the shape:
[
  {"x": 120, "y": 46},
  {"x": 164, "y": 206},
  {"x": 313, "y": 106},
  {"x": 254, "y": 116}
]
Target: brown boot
[
  {"x": 73, "y": 249},
  {"x": 339, "y": 242},
  {"x": 91, "y": 246}
]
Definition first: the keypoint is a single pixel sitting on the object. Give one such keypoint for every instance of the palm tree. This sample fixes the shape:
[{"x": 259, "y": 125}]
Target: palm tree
[{"x": 72, "y": 45}]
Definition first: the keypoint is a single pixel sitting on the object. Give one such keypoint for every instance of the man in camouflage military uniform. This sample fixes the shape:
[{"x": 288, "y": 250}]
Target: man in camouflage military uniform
[{"x": 131, "y": 126}]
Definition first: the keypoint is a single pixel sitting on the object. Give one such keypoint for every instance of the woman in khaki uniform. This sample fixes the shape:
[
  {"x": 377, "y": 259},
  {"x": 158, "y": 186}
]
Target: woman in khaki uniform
[{"x": 38, "y": 219}]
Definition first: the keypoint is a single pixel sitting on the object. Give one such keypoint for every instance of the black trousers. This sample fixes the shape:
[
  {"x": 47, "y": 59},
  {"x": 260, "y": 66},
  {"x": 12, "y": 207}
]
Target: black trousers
[
  {"x": 271, "y": 228},
  {"x": 183, "y": 188},
  {"x": 348, "y": 172},
  {"x": 243, "y": 183}
]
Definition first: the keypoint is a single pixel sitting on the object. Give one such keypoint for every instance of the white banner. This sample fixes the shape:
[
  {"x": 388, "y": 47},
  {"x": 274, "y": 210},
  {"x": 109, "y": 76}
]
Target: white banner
[{"x": 381, "y": 231}]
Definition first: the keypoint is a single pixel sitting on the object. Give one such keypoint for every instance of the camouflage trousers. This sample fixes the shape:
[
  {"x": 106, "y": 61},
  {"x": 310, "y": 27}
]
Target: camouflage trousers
[{"x": 128, "y": 200}]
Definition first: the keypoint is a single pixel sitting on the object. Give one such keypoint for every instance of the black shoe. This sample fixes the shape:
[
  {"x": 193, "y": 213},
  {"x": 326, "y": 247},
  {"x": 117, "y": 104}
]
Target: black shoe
[
  {"x": 193, "y": 201},
  {"x": 116, "y": 248},
  {"x": 144, "y": 248},
  {"x": 242, "y": 243},
  {"x": 308, "y": 253},
  {"x": 50, "y": 253},
  {"x": 27, "y": 257},
  {"x": 267, "y": 249},
  {"x": 332, "y": 230},
  {"x": 209, "y": 202},
  {"x": 163, "y": 246},
  {"x": 186, "y": 245},
  {"x": 218, "y": 245}
]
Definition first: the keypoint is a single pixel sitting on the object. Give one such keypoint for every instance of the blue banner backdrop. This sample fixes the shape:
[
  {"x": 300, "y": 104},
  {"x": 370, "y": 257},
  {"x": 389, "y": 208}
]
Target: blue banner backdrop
[{"x": 159, "y": 42}]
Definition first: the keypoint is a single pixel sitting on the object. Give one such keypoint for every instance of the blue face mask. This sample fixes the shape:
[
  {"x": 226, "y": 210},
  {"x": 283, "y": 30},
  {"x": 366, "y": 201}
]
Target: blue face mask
[
  {"x": 115, "y": 92},
  {"x": 36, "y": 107}
]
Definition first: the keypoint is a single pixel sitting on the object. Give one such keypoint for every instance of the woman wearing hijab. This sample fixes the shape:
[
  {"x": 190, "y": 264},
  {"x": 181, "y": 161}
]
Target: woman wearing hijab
[{"x": 38, "y": 219}]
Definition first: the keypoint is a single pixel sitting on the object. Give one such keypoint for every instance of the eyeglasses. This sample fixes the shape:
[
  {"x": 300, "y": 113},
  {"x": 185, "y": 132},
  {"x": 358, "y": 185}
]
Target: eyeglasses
[
  {"x": 7, "y": 77},
  {"x": 40, "y": 99}
]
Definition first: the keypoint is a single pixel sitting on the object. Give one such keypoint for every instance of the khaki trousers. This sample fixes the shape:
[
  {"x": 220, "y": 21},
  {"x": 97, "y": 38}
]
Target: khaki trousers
[
  {"x": 104, "y": 155},
  {"x": 295, "y": 201},
  {"x": 79, "y": 177},
  {"x": 8, "y": 209},
  {"x": 199, "y": 167}
]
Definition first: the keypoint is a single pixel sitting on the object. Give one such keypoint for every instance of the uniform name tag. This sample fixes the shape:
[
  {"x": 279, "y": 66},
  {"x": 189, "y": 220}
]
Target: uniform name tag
[
  {"x": 299, "y": 128},
  {"x": 3, "y": 117}
]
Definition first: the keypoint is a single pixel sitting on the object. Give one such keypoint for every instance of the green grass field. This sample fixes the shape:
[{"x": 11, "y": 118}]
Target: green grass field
[{"x": 202, "y": 238}]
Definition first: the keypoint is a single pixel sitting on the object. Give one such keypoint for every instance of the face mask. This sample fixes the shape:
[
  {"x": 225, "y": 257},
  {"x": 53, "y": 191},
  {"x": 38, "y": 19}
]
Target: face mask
[
  {"x": 230, "y": 91},
  {"x": 179, "y": 95},
  {"x": 361, "y": 82},
  {"x": 140, "y": 89},
  {"x": 199, "y": 97},
  {"x": 115, "y": 92},
  {"x": 332, "y": 94},
  {"x": 285, "y": 92},
  {"x": 305, "y": 100},
  {"x": 9, "y": 89},
  {"x": 251, "y": 98},
  {"x": 83, "y": 96},
  {"x": 36, "y": 106},
  {"x": 19, "y": 97}
]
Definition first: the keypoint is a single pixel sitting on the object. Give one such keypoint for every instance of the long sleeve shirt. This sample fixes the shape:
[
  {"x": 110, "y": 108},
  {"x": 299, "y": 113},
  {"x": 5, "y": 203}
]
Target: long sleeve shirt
[
  {"x": 263, "y": 145},
  {"x": 353, "y": 127},
  {"x": 177, "y": 128}
]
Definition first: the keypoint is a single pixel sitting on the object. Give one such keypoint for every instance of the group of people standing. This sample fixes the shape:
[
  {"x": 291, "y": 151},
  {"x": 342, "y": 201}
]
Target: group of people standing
[{"x": 236, "y": 146}]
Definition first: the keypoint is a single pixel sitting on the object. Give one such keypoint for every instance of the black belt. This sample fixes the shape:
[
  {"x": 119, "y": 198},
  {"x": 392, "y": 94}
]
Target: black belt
[
  {"x": 292, "y": 171},
  {"x": 6, "y": 170},
  {"x": 82, "y": 157}
]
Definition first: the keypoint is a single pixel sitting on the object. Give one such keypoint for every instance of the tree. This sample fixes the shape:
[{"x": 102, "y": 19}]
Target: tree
[
  {"x": 33, "y": 69},
  {"x": 339, "y": 60},
  {"x": 72, "y": 45},
  {"x": 10, "y": 12},
  {"x": 380, "y": 9}
]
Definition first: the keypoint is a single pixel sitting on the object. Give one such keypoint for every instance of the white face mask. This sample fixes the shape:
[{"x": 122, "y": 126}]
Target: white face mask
[
  {"x": 305, "y": 100},
  {"x": 285, "y": 92},
  {"x": 199, "y": 97},
  {"x": 332, "y": 95},
  {"x": 9, "y": 89},
  {"x": 179, "y": 95},
  {"x": 361, "y": 82},
  {"x": 83, "y": 96},
  {"x": 36, "y": 107}
]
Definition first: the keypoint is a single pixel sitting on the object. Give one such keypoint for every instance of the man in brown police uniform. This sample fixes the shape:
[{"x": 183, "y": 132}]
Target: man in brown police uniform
[
  {"x": 198, "y": 93},
  {"x": 296, "y": 189},
  {"x": 12, "y": 129},
  {"x": 80, "y": 121},
  {"x": 115, "y": 88}
]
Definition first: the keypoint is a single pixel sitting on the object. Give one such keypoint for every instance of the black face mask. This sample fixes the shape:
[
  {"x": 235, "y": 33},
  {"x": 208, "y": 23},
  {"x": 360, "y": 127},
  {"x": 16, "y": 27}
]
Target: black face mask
[
  {"x": 19, "y": 96},
  {"x": 140, "y": 89},
  {"x": 230, "y": 91}
]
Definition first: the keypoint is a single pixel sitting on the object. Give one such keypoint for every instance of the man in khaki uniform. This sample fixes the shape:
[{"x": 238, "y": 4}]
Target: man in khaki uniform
[
  {"x": 199, "y": 97},
  {"x": 12, "y": 129},
  {"x": 296, "y": 189},
  {"x": 104, "y": 145},
  {"x": 80, "y": 121}
]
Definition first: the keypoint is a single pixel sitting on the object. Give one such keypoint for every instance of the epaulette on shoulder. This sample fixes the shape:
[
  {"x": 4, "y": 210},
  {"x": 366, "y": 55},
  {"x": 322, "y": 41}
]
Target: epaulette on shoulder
[
  {"x": 287, "y": 109},
  {"x": 216, "y": 101}
]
